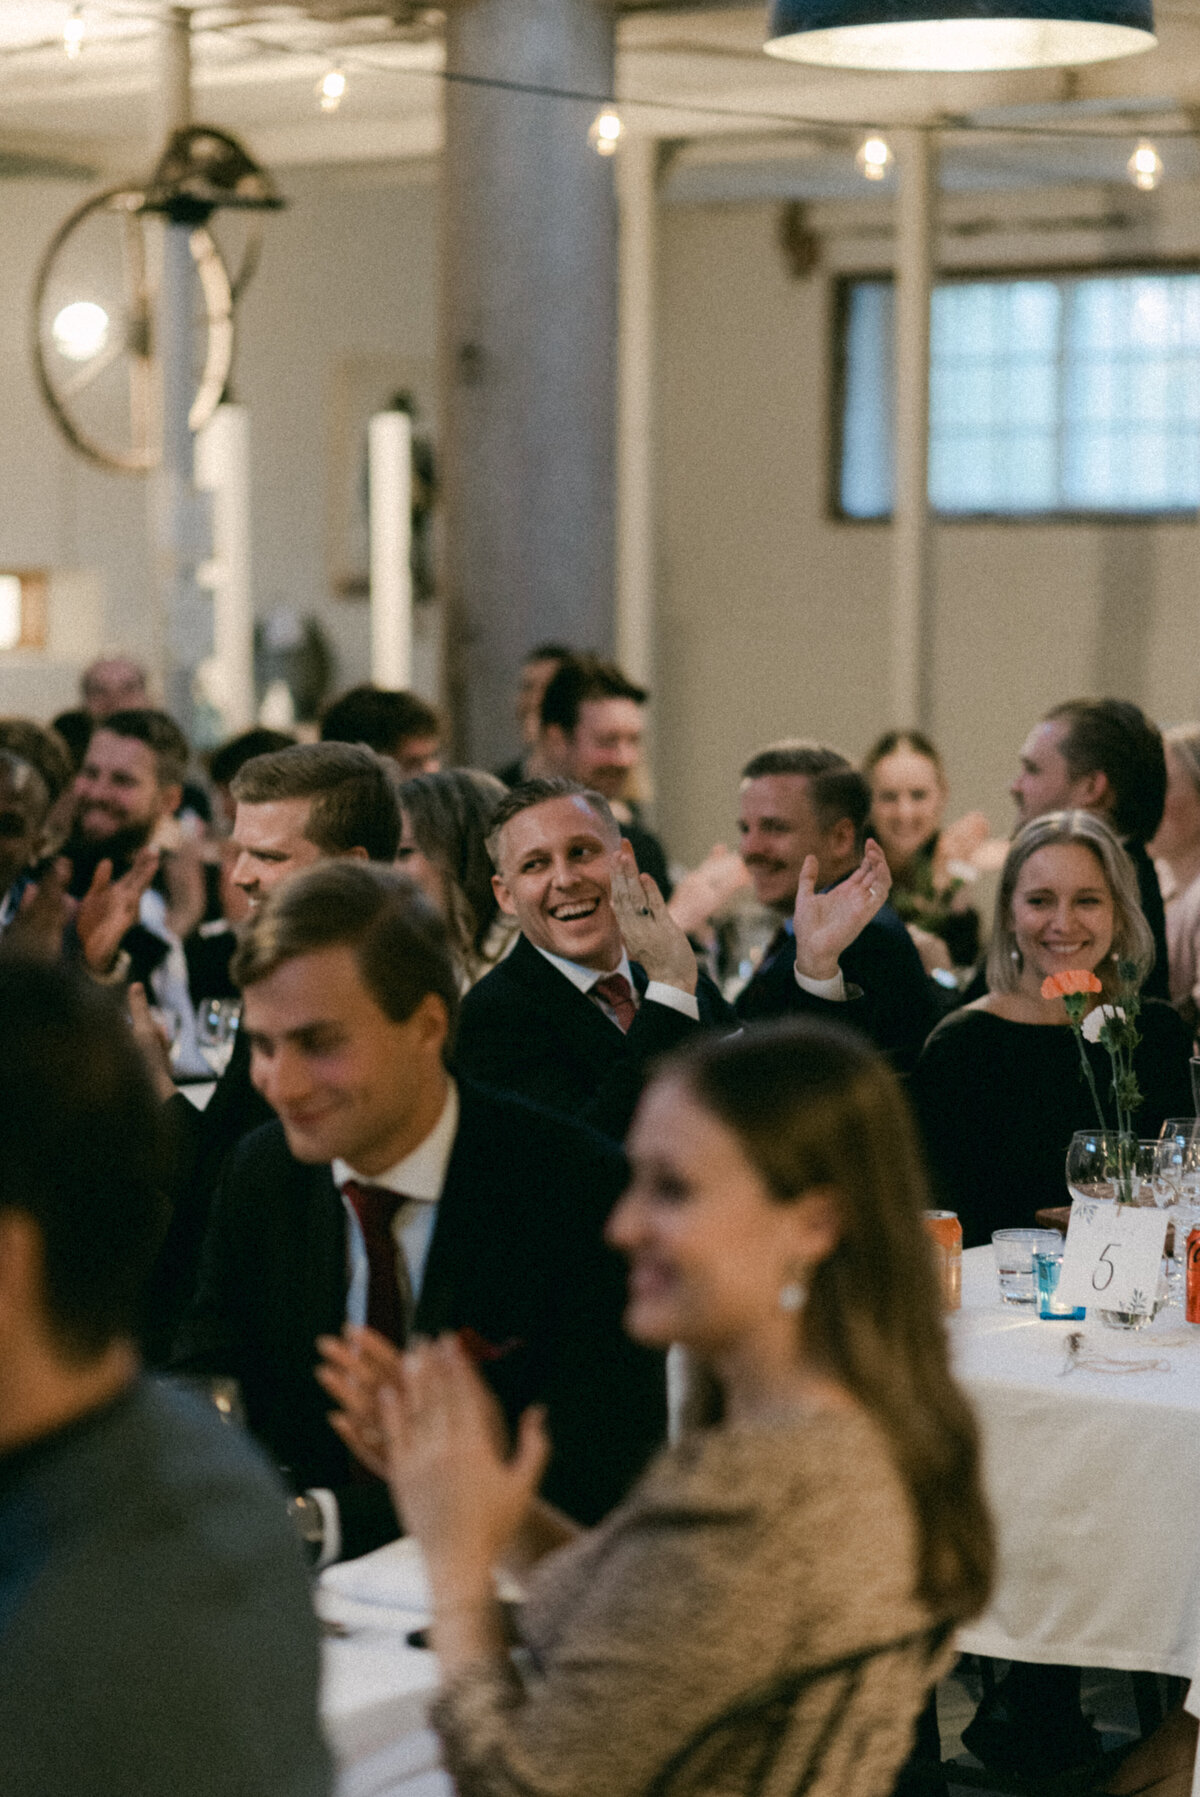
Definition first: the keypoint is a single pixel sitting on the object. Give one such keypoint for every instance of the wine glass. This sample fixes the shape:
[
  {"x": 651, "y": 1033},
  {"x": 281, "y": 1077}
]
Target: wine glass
[
  {"x": 1096, "y": 1160},
  {"x": 1179, "y": 1171},
  {"x": 216, "y": 1030}
]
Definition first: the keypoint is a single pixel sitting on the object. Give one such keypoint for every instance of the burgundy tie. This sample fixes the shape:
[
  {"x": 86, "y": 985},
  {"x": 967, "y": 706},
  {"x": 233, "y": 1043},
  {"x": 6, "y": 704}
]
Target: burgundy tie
[
  {"x": 389, "y": 1293},
  {"x": 615, "y": 989}
]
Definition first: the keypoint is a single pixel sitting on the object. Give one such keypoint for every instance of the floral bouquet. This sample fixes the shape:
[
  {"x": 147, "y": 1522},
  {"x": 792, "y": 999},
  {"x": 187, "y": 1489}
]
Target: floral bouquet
[{"x": 1115, "y": 1026}]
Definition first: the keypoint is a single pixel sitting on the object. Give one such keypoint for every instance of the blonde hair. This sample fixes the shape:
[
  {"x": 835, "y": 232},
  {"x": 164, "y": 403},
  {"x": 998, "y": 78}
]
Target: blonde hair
[{"x": 1131, "y": 940}]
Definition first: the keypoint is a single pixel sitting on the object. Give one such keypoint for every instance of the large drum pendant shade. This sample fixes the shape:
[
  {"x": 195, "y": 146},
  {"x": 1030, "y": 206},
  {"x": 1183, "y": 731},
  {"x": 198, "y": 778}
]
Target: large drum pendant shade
[{"x": 951, "y": 35}]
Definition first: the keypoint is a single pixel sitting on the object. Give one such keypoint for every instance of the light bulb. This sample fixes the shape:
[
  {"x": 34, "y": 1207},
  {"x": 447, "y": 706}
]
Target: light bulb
[
  {"x": 330, "y": 90},
  {"x": 873, "y": 158},
  {"x": 1145, "y": 167},
  {"x": 73, "y": 33},
  {"x": 80, "y": 331},
  {"x": 606, "y": 133}
]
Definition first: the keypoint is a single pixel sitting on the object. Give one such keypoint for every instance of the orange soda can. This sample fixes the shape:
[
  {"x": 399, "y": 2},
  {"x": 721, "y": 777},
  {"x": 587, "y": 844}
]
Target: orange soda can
[
  {"x": 946, "y": 1231},
  {"x": 1192, "y": 1299}
]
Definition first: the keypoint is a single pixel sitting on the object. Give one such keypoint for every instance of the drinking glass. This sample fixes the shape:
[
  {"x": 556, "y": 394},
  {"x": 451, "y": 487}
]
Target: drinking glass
[
  {"x": 217, "y": 1022},
  {"x": 1013, "y": 1250},
  {"x": 1099, "y": 1162},
  {"x": 1179, "y": 1174},
  {"x": 1047, "y": 1266}
]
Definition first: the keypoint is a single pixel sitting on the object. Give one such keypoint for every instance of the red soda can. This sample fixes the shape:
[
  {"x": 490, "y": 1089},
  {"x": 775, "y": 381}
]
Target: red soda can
[
  {"x": 1192, "y": 1311},
  {"x": 946, "y": 1231}
]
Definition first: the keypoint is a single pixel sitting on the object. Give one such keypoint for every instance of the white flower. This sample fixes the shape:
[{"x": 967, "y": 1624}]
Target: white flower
[{"x": 1097, "y": 1017}]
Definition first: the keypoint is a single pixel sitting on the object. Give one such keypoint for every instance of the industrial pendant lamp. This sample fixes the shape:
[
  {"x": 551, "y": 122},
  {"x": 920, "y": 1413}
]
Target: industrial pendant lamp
[{"x": 946, "y": 35}]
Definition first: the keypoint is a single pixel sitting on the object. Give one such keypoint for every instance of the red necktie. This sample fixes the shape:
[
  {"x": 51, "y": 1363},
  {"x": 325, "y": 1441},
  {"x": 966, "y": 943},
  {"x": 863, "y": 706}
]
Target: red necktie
[
  {"x": 389, "y": 1293},
  {"x": 617, "y": 991}
]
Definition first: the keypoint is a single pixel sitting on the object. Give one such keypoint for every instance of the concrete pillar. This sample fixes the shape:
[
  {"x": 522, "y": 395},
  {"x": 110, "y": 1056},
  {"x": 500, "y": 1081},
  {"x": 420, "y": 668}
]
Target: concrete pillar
[
  {"x": 637, "y": 190},
  {"x": 912, "y": 645},
  {"x": 529, "y": 331}
]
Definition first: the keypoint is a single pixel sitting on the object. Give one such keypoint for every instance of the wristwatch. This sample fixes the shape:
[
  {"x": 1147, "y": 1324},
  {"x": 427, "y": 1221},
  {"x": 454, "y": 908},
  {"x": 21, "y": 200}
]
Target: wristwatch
[{"x": 308, "y": 1520}]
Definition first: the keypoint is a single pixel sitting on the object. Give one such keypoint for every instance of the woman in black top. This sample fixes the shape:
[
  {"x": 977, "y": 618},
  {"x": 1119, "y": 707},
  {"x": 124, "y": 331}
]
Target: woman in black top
[{"x": 999, "y": 1087}]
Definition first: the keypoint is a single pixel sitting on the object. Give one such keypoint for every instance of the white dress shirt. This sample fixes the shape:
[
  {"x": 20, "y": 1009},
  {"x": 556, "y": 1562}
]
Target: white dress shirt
[
  {"x": 420, "y": 1176},
  {"x": 656, "y": 993}
]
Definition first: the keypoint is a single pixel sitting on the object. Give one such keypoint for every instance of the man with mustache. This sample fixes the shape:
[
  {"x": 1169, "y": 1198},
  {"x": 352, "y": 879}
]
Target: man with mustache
[{"x": 802, "y": 813}]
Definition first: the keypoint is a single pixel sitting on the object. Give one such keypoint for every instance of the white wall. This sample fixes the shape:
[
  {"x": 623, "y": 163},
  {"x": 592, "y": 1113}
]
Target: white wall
[
  {"x": 345, "y": 292},
  {"x": 773, "y": 614}
]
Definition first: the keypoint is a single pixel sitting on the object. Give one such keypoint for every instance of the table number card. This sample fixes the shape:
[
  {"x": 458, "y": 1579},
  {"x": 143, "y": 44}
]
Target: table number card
[{"x": 1113, "y": 1255}]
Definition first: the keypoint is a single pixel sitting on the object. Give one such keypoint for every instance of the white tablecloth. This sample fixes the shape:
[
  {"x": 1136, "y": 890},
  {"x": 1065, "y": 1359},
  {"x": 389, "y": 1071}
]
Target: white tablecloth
[
  {"x": 1094, "y": 1482},
  {"x": 375, "y": 1689}
]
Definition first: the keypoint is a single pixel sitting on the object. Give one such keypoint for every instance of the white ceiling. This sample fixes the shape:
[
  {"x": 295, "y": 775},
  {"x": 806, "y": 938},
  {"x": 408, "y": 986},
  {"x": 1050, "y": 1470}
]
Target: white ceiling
[{"x": 694, "y": 75}]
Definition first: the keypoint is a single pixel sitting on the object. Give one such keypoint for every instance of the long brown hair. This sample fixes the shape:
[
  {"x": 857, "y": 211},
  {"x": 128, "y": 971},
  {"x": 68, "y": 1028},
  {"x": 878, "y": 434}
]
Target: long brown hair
[{"x": 810, "y": 1105}]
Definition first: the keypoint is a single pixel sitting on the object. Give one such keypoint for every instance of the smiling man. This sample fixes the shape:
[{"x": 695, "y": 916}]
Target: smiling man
[
  {"x": 601, "y": 980},
  {"x": 389, "y": 1192},
  {"x": 801, "y": 803},
  {"x": 296, "y": 806}
]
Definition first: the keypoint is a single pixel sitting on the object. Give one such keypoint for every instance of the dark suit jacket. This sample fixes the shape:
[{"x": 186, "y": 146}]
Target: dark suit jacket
[
  {"x": 896, "y": 1010},
  {"x": 526, "y": 1029},
  {"x": 516, "y": 1255},
  {"x": 1157, "y": 984},
  {"x": 201, "y": 1144}
]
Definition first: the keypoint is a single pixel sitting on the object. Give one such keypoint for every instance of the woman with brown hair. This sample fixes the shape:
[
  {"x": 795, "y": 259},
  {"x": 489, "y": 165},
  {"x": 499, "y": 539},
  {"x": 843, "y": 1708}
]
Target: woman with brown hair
[
  {"x": 769, "y": 1607},
  {"x": 444, "y": 821}
]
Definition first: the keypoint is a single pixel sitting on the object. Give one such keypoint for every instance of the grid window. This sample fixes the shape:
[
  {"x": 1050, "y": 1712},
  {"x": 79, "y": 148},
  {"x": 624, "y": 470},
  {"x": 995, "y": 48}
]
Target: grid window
[{"x": 1055, "y": 394}]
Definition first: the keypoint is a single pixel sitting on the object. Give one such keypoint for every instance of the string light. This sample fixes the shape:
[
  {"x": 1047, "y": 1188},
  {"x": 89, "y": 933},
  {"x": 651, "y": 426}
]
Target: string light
[
  {"x": 874, "y": 158},
  {"x": 73, "y": 32},
  {"x": 606, "y": 132},
  {"x": 1145, "y": 167},
  {"x": 330, "y": 90}
]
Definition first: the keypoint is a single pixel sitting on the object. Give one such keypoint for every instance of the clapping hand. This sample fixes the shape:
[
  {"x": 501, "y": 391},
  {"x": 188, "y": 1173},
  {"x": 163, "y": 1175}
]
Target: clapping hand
[
  {"x": 429, "y": 1423},
  {"x": 707, "y": 889},
  {"x": 648, "y": 930},
  {"x": 826, "y": 923},
  {"x": 110, "y": 907}
]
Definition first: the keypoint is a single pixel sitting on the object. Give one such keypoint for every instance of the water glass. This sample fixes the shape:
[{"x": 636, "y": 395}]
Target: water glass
[
  {"x": 217, "y": 1022},
  {"x": 1047, "y": 1266},
  {"x": 1013, "y": 1250}
]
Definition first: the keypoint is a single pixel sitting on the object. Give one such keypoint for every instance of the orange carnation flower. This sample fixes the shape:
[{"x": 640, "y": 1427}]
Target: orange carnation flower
[{"x": 1061, "y": 985}]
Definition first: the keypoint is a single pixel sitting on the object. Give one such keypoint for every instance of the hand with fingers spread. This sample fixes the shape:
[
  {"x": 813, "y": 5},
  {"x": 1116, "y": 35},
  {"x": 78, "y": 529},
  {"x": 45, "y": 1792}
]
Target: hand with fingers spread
[
  {"x": 826, "y": 923},
  {"x": 110, "y": 907},
  {"x": 354, "y": 1367},
  {"x": 36, "y": 932},
  {"x": 650, "y": 933}
]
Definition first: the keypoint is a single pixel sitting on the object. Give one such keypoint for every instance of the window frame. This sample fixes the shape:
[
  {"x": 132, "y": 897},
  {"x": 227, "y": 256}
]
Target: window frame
[{"x": 839, "y": 319}]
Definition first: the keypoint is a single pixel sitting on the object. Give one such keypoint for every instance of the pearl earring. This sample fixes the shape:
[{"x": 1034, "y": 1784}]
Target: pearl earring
[{"x": 793, "y": 1295}]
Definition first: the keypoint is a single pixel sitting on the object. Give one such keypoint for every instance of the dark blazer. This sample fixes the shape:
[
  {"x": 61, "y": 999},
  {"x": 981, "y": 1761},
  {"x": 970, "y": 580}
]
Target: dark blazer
[
  {"x": 526, "y": 1029},
  {"x": 897, "y": 1009},
  {"x": 516, "y": 1255},
  {"x": 201, "y": 1143},
  {"x": 1157, "y": 983}
]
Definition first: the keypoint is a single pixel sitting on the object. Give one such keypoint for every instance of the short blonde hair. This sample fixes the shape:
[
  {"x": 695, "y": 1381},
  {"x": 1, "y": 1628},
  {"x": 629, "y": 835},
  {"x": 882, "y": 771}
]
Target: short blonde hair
[{"x": 1132, "y": 940}]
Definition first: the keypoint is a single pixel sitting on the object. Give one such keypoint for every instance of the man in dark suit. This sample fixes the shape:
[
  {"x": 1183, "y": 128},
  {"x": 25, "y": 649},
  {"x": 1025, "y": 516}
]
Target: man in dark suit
[
  {"x": 601, "y": 979},
  {"x": 390, "y": 1193},
  {"x": 802, "y": 813},
  {"x": 143, "y": 1543},
  {"x": 295, "y": 806}
]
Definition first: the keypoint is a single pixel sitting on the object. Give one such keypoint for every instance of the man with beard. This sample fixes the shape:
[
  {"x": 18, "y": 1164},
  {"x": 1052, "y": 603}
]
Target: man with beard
[{"x": 127, "y": 792}]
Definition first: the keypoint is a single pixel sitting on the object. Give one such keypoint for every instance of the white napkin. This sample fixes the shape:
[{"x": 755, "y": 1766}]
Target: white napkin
[{"x": 392, "y": 1578}]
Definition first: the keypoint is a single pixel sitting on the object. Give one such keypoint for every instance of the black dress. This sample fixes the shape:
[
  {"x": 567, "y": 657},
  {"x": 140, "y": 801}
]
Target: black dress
[{"x": 998, "y": 1103}]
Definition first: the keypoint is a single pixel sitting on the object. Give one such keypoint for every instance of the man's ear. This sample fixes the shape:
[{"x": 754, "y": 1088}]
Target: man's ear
[
  {"x": 172, "y": 798},
  {"x": 555, "y": 745},
  {"x": 1092, "y": 792},
  {"x": 842, "y": 838},
  {"x": 504, "y": 897},
  {"x": 432, "y": 1020}
]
